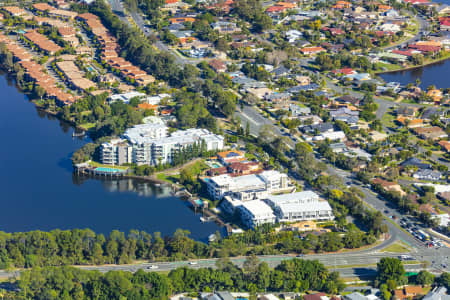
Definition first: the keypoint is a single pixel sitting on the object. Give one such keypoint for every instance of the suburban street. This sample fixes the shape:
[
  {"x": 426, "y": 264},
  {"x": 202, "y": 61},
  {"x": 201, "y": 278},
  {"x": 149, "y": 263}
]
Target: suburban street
[
  {"x": 357, "y": 260},
  {"x": 423, "y": 27}
]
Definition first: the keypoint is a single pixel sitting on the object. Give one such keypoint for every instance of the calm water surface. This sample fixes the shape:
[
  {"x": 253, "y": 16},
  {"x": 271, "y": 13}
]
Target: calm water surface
[
  {"x": 39, "y": 191},
  {"x": 437, "y": 74}
]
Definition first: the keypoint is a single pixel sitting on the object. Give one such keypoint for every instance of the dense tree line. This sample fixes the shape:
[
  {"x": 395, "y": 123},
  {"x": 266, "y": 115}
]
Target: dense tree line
[
  {"x": 291, "y": 275},
  {"x": 70, "y": 283},
  {"x": 84, "y": 247}
]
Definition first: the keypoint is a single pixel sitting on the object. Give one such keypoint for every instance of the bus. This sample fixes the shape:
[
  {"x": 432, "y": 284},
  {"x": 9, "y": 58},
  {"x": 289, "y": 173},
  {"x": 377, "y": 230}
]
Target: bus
[{"x": 424, "y": 236}]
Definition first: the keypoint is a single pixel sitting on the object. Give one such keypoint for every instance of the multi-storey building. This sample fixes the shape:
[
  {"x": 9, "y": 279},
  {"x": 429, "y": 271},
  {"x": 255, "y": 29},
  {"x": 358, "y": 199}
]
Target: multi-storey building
[
  {"x": 300, "y": 206},
  {"x": 151, "y": 145},
  {"x": 247, "y": 187}
]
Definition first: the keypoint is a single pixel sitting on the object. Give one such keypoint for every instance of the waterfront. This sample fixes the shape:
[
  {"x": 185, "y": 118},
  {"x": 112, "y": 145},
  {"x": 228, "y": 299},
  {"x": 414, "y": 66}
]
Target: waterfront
[
  {"x": 437, "y": 74},
  {"x": 39, "y": 190}
]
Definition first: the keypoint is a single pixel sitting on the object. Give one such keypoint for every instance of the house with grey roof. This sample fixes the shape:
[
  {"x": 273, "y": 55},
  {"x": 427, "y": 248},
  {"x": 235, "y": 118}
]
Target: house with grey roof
[
  {"x": 297, "y": 110},
  {"x": 427, "y": 174},
  {"x": 439, "y": 293}
]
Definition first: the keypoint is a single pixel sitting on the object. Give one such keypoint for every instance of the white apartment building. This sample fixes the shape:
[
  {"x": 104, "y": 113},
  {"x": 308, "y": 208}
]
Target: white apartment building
[
  {"x": 301, "y": 206},
  {"x": 151, "y": 145},
  {"x": 256, "y": 212},
  {"x": 247, "y": 187},
  {"x": 116, "y": 152}
]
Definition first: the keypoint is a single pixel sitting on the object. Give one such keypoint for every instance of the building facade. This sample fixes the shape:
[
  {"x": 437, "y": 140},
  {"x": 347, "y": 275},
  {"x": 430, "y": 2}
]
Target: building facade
[
  {"x": 247, "y": 187},
  {"x": 150, "y": 144},
  {"x": 301, "y": 206},
  {"x": 255, "y": 213}
]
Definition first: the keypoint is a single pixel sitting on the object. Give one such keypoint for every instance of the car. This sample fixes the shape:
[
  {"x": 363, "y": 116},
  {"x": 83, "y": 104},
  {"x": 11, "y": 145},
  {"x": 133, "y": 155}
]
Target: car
[
  {"x": 193, "y": 263},
  {"x": 386, "y": 211},
  {"x": 300, "y": 255},
  {"x": 153, "y": 267}
]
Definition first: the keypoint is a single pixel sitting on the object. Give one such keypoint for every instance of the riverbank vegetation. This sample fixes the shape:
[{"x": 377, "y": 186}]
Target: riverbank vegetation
[
  {"x": 84, "y": 247},
  {"x": 71, "y": 283}
]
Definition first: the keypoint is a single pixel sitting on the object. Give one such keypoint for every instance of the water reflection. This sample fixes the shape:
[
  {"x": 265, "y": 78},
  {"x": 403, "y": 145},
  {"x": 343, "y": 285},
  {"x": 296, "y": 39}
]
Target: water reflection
[
  {"x": 139, "y": 187},
  {"x": 435, "y": 74}
]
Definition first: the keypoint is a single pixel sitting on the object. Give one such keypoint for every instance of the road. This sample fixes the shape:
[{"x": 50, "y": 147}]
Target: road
[
  {"x": 256, "y": 122},
  {"x": 423, "y": 26}
]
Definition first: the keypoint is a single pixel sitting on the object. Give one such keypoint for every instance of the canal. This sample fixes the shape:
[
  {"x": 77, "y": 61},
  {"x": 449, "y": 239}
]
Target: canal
[
  {"x": 39, "y": 191},
  {"x": 437, "y": 74}
]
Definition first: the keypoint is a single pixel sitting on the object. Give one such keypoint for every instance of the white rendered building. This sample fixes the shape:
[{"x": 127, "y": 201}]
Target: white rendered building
[
  {"x": 301, "y": 206},
  {"x": 256, "y": 212}
]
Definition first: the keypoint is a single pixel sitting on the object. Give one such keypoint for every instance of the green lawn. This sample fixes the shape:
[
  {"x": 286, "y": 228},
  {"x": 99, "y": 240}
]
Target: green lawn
[
  {"x": 168, "y": 178},
  {"x": 388, "y": 119},
  {"x": 397, "y": 247},
  {"x": 97, "y": 165},
  {"x": 387, "y": 67},
  {"x": 87, "y": 126}
]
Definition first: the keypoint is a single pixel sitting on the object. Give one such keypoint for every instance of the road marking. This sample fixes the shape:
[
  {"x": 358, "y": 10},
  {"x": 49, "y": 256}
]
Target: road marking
[{"x": 249, "y": 119}]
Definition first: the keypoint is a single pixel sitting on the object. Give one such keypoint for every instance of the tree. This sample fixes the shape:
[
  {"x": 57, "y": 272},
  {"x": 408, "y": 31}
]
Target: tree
[
  {"x": 389, "y": 268},
  {"x": 247, "y": 129},
  {"x": 444, "y": 279},
  {"x": 424, "y": 278}
]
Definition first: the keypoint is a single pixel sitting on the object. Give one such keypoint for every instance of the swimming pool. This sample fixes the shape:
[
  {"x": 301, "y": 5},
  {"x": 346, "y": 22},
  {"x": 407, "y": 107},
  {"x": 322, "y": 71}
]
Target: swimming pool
[{"x": 107, "y": 170}]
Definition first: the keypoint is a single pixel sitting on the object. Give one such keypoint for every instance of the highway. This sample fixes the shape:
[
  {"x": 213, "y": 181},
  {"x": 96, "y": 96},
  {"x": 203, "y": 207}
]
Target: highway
[{"x": 436, "y": 257}]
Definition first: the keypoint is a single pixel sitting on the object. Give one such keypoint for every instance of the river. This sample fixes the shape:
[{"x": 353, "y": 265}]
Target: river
[
  {"x": 437, "y": 74},
  {"x": 39, "y": 191}
]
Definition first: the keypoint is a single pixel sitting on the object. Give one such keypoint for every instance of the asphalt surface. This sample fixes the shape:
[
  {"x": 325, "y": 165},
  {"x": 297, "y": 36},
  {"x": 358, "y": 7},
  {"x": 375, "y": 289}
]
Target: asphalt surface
[
  {"x": 423, "y": 26},
  {"x": 435, "y": 257}
]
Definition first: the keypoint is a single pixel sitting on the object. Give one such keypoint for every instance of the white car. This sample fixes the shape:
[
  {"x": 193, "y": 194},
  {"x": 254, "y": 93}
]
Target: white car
[
  {"x": 153, "y": 267},
  {"x": 193, "y": 263}
]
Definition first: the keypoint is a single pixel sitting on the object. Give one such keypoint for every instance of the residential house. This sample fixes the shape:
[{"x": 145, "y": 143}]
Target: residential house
[
  {"x": 406, "y": 111},
  {"x": 389, "y": 186},
  {"x": 347, "y": 99},
  {"x": 346, "y": 115},
  {"x": 431, "y": 112},
  {"x": 229, "y": 157},
  {"x": 293, "y": 35},
  {"x": 225, "y": 27},
  {"x": 436, "y": 95},
  {"x": 415, "y": 162},
  {"x": 432, "y": 133},
  {"x": 297, "y": 110},
  {"x": 318, "y": 128},
  {"x": 408, "y": 292},
  {"x": 445, "y": 145},
  {"x": 303, "y": 80},
  {"x": 312, "y": 50},
  {"x": 15, "y": 11},
  {"x": 280, "y": 72},
  {"x": 243, "y": 168},
  {"x": 427, "y": 174},
  {"x": 217, "y": 65},
  {"x": 355, "y": 296},
  {"x": 277, "y": 97},
  {"x": 316, "y": 296}
]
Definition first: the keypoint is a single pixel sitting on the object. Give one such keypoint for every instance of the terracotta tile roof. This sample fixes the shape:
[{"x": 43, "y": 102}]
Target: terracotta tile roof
[
  {"x": 67, "y": 31},
  {"x": 42, "y": 41},
  {"x": 43, "y": 6}
]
